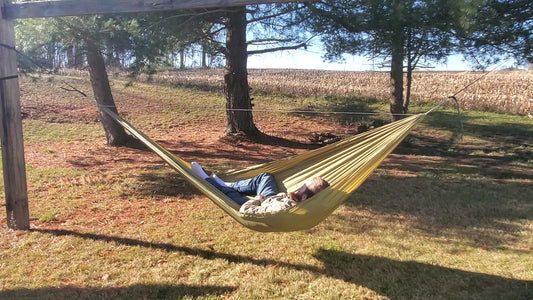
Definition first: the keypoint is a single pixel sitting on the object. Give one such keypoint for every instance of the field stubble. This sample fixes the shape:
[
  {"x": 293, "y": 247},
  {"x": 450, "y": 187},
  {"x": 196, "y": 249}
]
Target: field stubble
[{"x": 497, "y": 91}]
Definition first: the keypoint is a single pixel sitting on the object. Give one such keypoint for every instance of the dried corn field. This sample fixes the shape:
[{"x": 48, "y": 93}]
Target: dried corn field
[{"x": 501, "y": 91}]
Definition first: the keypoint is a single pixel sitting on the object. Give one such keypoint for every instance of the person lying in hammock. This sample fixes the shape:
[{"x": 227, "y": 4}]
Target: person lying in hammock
[{"x": 267, "y": 198}]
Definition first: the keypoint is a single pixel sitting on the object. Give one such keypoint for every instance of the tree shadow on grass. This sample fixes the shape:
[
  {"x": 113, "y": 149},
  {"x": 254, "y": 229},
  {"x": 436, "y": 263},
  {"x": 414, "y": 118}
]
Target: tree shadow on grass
[
  {"x": 350, "y": 104},
  {"x": 138, "y": 291},
  {"x": 414, "y": 280},
  {"x": 266, "y": 139},
  {"x": 479, "y": 191},
  {"x": 171, "y": 185},
  {"x": 392, "y": 278},
  {"x": 206, "y": 254},
  {"x": 515, "y": 140},
  {"x": 481, "y": 211},
  {"x": 450, "y": 121}
]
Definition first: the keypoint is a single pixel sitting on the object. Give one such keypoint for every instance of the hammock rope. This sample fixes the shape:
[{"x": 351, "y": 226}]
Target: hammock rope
[{"x": 345, "y": 165}]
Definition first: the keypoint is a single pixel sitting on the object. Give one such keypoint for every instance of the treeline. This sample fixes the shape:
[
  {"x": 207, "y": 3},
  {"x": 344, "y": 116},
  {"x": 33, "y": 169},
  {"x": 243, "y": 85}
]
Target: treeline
[
  {"x": 57, "y": 56},
  {"x": 62, "y": 43}
]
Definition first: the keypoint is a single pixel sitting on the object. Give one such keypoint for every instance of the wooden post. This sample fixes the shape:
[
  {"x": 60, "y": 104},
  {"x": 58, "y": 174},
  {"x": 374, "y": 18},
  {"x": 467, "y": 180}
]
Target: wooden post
[{"x": 11, "y": 130}]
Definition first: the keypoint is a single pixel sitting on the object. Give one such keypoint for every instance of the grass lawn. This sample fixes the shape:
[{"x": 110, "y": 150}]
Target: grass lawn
[{"x": 442, "y": 218}]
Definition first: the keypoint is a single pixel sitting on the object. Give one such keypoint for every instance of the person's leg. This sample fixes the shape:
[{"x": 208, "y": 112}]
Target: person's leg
[
  {"x": 196, "y": 168},
  {"x": 218, "y": 180},
  {"x": 231, "y": 193},
  {"x": 262, "y": 184}
]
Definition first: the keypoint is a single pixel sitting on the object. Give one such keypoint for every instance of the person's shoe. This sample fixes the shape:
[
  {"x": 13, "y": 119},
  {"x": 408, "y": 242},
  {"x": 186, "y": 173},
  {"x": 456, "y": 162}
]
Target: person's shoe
[{"x": 196, "y": 168}]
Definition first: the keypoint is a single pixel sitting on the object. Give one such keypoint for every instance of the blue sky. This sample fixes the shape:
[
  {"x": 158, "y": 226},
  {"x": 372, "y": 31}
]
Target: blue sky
[
  {"x": 302, "y": 59},
  {"x": 312, "y": 59}
]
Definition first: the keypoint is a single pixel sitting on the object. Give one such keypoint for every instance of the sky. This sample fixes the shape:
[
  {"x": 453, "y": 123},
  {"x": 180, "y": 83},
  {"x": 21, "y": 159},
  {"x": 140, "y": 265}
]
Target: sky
[{"x": 312, "y": 59}]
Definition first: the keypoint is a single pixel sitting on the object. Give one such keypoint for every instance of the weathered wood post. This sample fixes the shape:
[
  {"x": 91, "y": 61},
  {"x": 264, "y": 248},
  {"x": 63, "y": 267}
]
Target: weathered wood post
[{"x": 11, "y": 129}]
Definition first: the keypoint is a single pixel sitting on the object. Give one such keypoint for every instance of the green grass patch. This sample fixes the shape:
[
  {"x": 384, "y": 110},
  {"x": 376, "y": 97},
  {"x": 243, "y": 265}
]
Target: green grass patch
[
  {"x": 48, "y": 217},
  {"x": 37, "y": 131}
]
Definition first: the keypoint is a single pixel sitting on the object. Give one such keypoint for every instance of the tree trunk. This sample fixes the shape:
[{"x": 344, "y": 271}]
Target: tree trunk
[
  {"x": 204, "y": 57},
  {"x": 50, "y": 55},
  {"x": 182, "y": 59},
  {"x": 79, "y": 60},
  {"x": 70, "y": 57},
  {"x": 396, "y": 105},
  {"x": 238, "y": 102},
  {"x": 397, "y": 56},
  {"x": 111, "y": 57},
  {"x": 115, "y": 134},
  {"x": 408, "y": 91}
]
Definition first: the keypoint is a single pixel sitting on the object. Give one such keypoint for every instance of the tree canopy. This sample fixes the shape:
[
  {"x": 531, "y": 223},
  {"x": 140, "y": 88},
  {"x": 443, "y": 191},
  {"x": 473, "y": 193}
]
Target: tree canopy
[{"x": 499, "y": 29}]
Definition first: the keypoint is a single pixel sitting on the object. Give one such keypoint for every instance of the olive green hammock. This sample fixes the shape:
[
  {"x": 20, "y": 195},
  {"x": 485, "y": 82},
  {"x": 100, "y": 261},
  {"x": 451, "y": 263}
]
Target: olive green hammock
[{"x": 345, "y": 165}]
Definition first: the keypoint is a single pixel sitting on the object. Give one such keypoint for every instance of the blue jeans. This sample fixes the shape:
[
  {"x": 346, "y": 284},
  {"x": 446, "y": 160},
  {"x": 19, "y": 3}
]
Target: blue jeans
[{"x": 262, "y": 184}]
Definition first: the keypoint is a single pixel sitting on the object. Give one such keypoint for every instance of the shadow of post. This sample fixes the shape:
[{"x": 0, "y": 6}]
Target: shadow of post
[
  {"x": 414, "y": 280},
  {"x": 206, "y": 254},
  {"x": 138, "y": 291}
]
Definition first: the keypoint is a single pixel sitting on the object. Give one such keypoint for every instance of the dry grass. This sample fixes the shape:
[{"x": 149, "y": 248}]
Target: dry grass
[{"x": 434, "y": 222}]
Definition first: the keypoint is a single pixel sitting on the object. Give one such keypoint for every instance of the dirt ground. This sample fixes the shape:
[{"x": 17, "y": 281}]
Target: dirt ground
[{"x": 207, "y": 144}]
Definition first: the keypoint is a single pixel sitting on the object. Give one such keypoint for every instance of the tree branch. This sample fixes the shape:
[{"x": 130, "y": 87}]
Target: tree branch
[
  {"x": 281, "y": 13},
  {"x": 294, "y": 47}
]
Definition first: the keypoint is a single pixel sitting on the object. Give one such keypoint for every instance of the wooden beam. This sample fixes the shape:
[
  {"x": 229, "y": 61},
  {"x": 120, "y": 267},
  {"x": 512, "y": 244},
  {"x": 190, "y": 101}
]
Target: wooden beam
[
  {"x": 89, "y": 7},
  {"x": 11, "y": 130}
]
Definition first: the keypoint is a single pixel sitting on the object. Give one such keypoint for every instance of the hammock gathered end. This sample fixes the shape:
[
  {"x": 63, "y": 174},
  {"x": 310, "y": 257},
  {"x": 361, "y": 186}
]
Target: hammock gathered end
[{"x": 345, "y": 165}]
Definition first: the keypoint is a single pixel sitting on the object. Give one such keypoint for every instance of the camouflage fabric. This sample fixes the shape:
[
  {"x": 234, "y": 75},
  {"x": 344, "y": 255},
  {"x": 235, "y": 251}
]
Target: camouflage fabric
[{"x": 270, "y": 205}]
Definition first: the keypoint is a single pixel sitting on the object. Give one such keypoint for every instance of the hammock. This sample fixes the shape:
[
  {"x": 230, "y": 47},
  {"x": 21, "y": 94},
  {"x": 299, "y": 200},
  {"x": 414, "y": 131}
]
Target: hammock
[{"x": 345, "y": 165}]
